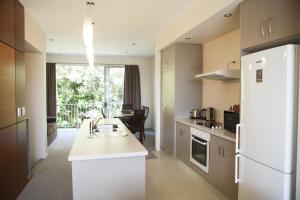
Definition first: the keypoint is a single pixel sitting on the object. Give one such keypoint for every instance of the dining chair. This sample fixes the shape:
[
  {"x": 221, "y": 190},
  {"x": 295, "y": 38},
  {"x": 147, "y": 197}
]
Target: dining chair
[
  {"x": 137, "y": 123},
  {"x": 145, "y": 116},
  {"x": 127, "y": 107},
  {"x": 103, "y": 114}
]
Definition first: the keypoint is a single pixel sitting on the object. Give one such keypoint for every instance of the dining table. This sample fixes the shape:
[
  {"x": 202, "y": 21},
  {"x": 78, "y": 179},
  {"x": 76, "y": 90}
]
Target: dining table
[{"x": 125, "y": 117}]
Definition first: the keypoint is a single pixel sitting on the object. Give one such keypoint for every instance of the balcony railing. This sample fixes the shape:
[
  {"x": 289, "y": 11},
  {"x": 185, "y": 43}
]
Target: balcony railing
[{"x": 71, "y": 115}]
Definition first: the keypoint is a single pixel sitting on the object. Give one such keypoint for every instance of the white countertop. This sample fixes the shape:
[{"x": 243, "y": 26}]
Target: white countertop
[
  {"x": 105, "y": 147},
  {"x": 217, "y": 132}
]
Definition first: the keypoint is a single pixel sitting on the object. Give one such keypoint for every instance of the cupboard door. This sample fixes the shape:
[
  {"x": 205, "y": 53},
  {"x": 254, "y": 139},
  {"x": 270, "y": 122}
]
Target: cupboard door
[
  {"x": 7, "y": 22},
  {"x": 179, "y": 141},
  {"x": 19, "y": 26},
  {"x": 8, "y": 163},
  {"x": 254, "y": 17},
  {"x": 22, "y": 154},
  {"x": 20, "y": 86},
  {"x": 7, "y": 86},
  {"x": 168, "y": 123},
  {"x": 168, "y": 58},
  {"x": 221, "y": 166},
  {"x": 186, "y": 144},
  {"x": 284, "y": 18},
  {"x": 183, "y": 142}
]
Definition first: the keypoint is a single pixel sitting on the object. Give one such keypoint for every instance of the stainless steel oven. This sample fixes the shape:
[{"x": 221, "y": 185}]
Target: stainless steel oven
[{"x": 199, "y": 152}]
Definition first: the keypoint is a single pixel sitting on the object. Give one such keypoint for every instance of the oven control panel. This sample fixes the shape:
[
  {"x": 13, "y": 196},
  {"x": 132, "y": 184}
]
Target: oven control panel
[{"x": 201, "y": 134}]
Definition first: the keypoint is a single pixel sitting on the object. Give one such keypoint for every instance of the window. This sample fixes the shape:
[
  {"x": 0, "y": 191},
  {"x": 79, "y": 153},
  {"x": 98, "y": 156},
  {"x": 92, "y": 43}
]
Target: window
[{"x": 82, "y": 91}]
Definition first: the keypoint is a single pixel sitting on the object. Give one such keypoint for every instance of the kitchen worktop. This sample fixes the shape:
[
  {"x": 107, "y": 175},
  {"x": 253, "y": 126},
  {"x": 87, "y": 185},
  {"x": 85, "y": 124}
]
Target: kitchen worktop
[
  {"x": 105, "y": 145},
  {"x": 217, "y": 132}
]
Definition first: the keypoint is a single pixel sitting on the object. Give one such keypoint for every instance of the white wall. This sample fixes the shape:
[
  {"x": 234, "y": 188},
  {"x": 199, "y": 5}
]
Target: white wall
[
  {"x": 35, "y": 65},
  {"x": 146, "y": 74},
  {"x": 36, "y": 105},
  {"x": 216, "y": 54}
]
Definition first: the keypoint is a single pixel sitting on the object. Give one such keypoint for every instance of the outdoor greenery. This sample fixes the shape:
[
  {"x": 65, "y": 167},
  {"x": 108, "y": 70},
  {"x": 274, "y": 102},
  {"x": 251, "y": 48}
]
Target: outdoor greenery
[{"x": 81, "y": 91}]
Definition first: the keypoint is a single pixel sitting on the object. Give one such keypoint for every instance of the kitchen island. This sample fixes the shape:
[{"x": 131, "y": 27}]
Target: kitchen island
[{"x": 107, "y": 165}]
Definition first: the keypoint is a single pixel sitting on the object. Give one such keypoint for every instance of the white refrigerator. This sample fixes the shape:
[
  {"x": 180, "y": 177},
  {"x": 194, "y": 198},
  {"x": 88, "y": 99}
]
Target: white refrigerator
[{"x": 266, "y": 135}]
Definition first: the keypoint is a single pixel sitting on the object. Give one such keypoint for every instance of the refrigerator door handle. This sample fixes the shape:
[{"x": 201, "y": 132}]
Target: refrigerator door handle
[
  {"x": 237, "y": 138},
  {"x": 236, "y": 169}
]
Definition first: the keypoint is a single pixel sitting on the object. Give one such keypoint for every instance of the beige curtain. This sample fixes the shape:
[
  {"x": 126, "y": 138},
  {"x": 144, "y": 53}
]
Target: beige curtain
[
  {"x": 132, "y": 89},
  {"x": 51, "y": 89}
]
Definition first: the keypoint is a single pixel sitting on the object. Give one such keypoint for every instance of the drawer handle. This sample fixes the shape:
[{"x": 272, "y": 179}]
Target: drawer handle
[
  {"x": 270, "y": 26},
  {"x": 263, "y": 28}
]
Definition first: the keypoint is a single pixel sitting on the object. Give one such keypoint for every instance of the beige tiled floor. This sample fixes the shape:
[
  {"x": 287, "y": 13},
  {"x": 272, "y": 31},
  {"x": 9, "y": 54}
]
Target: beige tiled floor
[{"x": 170, "y": 179}]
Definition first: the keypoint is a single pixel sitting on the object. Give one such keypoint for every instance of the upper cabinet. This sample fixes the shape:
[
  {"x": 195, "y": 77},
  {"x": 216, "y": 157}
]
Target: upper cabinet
[
  {"x": 265, "y": 21},
  {"x": 7, "y": 86},
  {"x": 168, "y": 59},
  {"x": 7, "y": 22},
  {"x": 19, "y": 26},
  {"x": 254, "y": 17},
  {"x": 284, "y": 18}
]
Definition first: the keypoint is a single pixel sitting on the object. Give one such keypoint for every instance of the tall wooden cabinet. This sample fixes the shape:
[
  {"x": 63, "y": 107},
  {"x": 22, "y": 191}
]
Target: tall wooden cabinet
[
  {"x": 180, "y": 92},
  {"x": 267, "y": 21},
  {"x": 7, "y": 86},
  {"x": 13, "y": 120},
  {"x": 8, "y": 163},
  {"x": 7, "y": 22},
  {"x": 19, "y": 26},
  {"x": 22, "y": 137}
]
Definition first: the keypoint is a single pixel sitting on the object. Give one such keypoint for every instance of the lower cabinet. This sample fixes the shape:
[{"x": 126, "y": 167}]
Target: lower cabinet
[
  {"x": 22, "y": 155},
  {"x": 183, "y": 142},
  {"x": 8, "y": 163},
  {"x": 13, "y": 160},
  {"x": 221, "y": 161},
  {"x": 222, "y": 154}
]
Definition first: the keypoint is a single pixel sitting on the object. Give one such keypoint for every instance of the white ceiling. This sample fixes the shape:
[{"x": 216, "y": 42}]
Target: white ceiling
[
  {"x": 215, "y": 26},
  {"x": 118, "y": 24}
]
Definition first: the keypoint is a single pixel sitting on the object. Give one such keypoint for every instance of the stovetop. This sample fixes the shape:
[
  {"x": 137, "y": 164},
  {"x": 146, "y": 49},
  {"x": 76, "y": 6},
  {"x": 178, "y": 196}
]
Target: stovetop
[{"x": 207, "y": 124}]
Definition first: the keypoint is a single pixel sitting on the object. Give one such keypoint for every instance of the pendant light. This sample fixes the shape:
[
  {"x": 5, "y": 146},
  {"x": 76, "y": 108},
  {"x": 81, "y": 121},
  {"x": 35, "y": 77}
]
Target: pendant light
[{"x": 88, "y": 33}]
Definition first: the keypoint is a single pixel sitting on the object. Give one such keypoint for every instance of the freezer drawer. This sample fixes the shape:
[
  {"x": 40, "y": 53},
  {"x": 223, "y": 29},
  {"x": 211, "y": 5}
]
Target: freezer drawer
[{"x": 259, "y": 182}]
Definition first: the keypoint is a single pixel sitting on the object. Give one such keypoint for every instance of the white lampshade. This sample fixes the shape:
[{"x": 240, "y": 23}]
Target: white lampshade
[
  {"x": 88, "y": 31},
  {"x": 90, "y": 55}
]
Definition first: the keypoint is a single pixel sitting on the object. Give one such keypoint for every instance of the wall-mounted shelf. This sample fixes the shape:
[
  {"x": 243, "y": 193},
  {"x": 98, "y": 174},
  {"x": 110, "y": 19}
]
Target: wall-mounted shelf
[{"x": 224, "y": 74}]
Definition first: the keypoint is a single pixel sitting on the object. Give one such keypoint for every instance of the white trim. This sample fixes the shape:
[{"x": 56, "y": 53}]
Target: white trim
[{"x": 157, "y": 103}]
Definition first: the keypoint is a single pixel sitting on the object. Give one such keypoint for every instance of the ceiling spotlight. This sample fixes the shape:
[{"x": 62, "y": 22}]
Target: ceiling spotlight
[
  {"x": 187, "y": 38},
  {"x": 228, "y": 15},
  {"x": 126, "y": 52},
  {"x": 51, "y": 39},
  {"x": 133, "y": 44}
]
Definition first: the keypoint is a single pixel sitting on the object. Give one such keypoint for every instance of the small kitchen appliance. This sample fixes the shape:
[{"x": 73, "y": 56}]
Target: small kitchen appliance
[
  {"x": 231, "y": 119},
  {"x": 199, "y": 149},
  {"x": 196, "y": 114}
]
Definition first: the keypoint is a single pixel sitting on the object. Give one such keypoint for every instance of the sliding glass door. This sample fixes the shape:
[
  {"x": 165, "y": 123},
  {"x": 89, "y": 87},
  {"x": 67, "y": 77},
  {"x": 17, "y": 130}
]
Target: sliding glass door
[
  {"x": 85, "y": 92},
  {"x": 114, "y": 88}
]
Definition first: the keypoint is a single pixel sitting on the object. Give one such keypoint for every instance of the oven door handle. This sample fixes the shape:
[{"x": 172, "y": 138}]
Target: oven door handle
[{"x": 203, "y": 143}]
